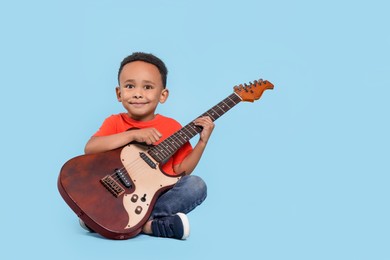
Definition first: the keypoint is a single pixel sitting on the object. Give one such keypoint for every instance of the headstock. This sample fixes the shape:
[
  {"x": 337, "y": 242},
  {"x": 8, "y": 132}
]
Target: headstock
[{"x": 253, "y": 91}]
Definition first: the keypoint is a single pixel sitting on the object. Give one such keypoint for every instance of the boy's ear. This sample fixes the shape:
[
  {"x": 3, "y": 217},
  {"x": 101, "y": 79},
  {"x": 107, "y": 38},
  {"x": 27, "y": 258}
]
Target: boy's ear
[
  {"x": 164, "y": 95},
  {"x": 118, "y": 93}
]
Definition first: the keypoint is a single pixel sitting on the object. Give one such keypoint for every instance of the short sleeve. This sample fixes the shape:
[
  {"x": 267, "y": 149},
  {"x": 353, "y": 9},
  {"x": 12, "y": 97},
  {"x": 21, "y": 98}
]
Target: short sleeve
[
  {"x": 177, "y": 158},
  {"x": 108, "y": 127},
  {"x": 182, "y": 153}
]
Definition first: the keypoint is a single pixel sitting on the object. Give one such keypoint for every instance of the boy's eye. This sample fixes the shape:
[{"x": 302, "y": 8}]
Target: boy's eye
[
  {"x": 129, "y": 86},
  {"x": 148, "y": 87}
]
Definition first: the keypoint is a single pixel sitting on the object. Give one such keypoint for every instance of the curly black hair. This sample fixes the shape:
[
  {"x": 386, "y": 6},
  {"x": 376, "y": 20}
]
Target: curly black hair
[{"x": 149, "y": 58}]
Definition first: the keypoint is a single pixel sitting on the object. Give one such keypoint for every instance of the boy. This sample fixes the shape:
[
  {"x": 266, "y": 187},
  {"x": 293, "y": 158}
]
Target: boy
[{"x": 141, "y": 87}]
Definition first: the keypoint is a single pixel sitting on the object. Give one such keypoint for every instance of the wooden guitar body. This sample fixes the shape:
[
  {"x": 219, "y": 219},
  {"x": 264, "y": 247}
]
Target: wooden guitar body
[{"x": 114, "y": 192}]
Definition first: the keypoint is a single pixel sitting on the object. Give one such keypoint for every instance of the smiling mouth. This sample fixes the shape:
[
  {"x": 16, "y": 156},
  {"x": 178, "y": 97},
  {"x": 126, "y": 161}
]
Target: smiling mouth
[{"x": 138, "y": 104}]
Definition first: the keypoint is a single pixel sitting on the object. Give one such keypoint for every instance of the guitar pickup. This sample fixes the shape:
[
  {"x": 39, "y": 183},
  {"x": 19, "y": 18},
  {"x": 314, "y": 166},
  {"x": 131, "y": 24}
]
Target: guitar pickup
[
  {"x": 123, "y": 177},
  {"x": 148, "y": 160}
]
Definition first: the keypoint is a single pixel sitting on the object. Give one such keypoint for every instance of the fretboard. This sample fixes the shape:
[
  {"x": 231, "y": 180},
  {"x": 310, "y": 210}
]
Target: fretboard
[{"x": 169, "y": 146}]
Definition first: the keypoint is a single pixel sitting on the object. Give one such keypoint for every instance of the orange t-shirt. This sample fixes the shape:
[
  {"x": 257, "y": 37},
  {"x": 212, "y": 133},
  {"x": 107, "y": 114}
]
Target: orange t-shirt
[{"x": 166, "y": 126}]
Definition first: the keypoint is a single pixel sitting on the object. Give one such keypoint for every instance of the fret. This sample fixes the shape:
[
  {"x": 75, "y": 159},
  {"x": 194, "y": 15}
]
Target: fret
[
  {"x": 162, "y": 151},
  {"x": 169, "y": 146},
  {"x": 219, "y": 110},
  {"x": 226, "y": 105},
  {"x": 177, "y": 140},
  {"x": 183, "y": 135},
  {"x": 194, "y": 129},
  {"x": 189, "y": 131},
  {"x": 156, "y": 155},
  {"x": 173, "y": 143},
  {"x": 222, "y": 107},
  {"x": 212, "y": 113},
  {"x": 167, "y": 149}
]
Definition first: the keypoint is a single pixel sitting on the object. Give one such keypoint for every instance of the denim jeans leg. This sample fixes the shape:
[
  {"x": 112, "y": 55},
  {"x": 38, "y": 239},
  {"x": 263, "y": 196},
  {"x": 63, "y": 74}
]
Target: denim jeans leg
[{"x": 189, "y": 192}]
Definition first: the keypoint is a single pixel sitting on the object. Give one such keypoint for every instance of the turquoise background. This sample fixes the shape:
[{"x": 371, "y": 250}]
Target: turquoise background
[{"x": 303, "y": 173}]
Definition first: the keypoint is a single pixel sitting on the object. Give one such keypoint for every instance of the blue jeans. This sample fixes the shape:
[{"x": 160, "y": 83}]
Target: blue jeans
[{"x": 189, "y": 192}]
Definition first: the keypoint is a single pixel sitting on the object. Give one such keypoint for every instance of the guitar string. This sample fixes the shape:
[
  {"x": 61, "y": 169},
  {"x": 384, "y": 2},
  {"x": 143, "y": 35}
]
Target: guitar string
[
  {"x": 137, "y": 173},
  {"x": 165, "y": 153},
  {"x": 132, "y": 164},
  {"x": 135, "y": 165}
]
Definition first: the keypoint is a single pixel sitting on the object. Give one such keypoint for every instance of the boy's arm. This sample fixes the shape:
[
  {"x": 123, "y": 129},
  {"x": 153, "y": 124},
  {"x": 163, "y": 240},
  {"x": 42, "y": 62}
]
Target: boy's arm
[
  {"x": 189, "y": 163},
  {"x": 105, "y": 143}
]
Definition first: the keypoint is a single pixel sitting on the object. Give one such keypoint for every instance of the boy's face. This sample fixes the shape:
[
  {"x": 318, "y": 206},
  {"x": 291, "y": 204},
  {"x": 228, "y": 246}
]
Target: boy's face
[{"x": 140, "y": 90}]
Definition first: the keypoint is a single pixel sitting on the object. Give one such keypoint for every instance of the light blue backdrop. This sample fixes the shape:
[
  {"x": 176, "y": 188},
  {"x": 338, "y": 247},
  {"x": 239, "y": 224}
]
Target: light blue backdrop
[{"x": 302, "y": 173}]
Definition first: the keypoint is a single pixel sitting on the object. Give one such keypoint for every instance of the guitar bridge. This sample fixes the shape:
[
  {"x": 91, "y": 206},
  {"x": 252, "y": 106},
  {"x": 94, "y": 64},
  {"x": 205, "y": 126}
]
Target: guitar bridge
[{"x": 112, "y": 186}]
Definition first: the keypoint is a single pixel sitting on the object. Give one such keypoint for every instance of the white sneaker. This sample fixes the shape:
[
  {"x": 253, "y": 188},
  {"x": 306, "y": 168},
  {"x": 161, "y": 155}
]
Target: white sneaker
[{"x": 84, "y": 226}]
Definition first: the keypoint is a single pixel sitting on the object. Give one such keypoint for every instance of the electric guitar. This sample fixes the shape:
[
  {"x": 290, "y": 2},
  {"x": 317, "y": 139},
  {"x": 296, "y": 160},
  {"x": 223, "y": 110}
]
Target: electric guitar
[{"x": 114, "y": 192}]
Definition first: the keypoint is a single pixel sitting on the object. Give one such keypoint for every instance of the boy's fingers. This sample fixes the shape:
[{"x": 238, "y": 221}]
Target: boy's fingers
[
  {"x": 157, "y": 135},
  {"x": 203, "y": 119}
]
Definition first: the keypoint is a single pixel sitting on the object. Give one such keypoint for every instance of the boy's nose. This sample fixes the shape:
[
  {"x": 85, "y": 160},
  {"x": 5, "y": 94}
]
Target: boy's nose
[{"x": 137, "y": 93}]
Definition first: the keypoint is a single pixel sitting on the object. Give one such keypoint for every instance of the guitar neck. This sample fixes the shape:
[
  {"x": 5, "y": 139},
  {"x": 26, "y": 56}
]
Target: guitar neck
[{"x": 169, "y": 146}]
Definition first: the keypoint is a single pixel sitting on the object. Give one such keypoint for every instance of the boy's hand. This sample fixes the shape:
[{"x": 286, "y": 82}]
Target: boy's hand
[
  {"x": 146, "y": 135},
  {"x": 208, "y": 126}
]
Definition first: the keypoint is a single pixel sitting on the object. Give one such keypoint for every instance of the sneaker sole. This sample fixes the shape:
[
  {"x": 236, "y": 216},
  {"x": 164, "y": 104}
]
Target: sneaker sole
[
  {"x": 186, "y": 225},
  {"x": 84, "y": 226}
]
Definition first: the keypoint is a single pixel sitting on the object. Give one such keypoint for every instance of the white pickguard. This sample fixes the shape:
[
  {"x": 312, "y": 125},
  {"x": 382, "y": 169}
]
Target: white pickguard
[{"x": 147, "y": 182}]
